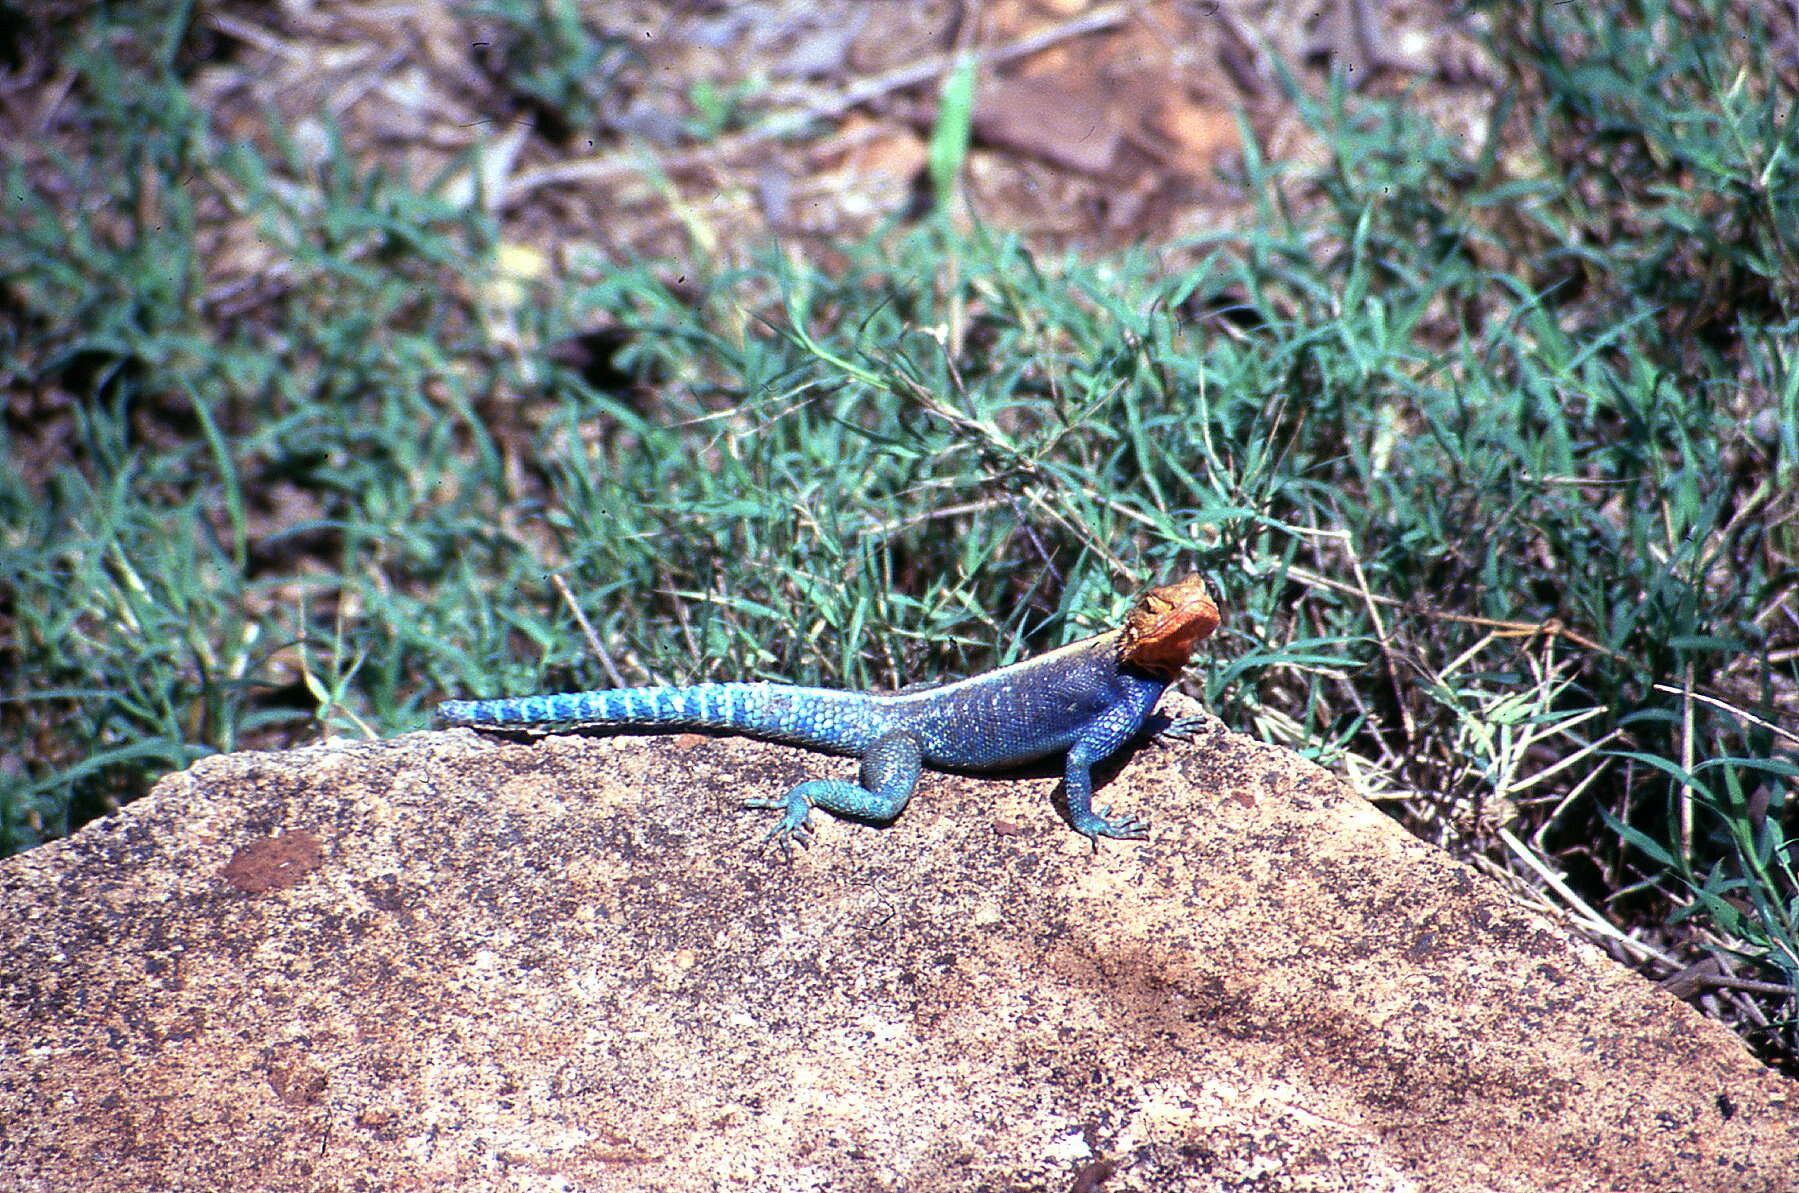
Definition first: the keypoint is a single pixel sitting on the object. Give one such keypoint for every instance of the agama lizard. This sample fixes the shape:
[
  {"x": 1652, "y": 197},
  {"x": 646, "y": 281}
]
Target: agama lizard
[{"x": 1084, "y": 700}]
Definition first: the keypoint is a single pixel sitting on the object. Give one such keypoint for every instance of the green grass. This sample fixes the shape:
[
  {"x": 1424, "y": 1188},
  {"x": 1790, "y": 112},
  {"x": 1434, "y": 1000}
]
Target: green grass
[{"x": 1490, "y": 455}]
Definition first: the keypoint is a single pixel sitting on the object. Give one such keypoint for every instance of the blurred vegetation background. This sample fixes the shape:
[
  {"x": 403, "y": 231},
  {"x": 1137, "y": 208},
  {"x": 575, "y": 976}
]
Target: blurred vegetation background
[{"x": 1488, "y": 445}]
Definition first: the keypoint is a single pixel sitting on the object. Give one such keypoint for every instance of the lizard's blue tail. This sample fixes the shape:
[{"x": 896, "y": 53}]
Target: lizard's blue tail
[{"x": 818, "y": 717}]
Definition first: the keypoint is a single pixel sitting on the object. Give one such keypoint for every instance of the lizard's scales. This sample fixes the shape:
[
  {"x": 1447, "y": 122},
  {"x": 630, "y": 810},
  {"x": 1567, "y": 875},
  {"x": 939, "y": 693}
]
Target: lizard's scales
[{"x": 820, "y": 718}]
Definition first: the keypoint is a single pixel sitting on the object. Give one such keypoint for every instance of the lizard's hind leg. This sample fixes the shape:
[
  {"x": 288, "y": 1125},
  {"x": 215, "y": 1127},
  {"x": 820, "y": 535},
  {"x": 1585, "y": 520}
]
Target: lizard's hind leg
[{"x": 890, "y": 771}]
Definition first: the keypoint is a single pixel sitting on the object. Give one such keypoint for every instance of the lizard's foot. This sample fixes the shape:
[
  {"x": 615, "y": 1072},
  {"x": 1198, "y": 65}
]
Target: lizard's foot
[
  {"x": 1125, "y": 828},
  {"x": 795, "y": 824},
  {"x": 1180, "y": 728}
]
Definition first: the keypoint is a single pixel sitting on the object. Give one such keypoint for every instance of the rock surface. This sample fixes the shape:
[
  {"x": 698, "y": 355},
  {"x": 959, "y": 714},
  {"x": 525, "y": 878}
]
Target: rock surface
[{"x": 452, "y": 961}]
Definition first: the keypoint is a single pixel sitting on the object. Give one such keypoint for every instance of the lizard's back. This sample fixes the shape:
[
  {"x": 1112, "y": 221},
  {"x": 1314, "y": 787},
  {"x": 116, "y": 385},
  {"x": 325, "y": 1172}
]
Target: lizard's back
[{"x": 1017, "y": 714}]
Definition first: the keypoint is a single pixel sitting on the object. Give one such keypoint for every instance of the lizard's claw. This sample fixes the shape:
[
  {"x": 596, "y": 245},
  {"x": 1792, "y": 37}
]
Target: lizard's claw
[
  {"x": 794, "y": 826},
  {"x": 1124, "y": 828},
  {"x": 1180, "y": 728},
  {"x": 786, "y": 837}
]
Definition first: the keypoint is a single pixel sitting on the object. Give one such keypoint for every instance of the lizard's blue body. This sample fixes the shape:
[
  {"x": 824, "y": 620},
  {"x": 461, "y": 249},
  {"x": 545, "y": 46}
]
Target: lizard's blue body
[{"x": 1084, "y": 701}]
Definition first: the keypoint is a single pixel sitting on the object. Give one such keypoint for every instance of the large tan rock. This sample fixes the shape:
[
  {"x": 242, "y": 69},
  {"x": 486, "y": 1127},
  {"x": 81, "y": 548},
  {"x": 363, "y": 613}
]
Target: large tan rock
[{"x": 458, "y": 962}]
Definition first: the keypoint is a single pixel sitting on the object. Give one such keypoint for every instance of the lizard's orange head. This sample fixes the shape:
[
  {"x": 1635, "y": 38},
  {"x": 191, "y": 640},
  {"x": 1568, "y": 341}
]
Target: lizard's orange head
[{"x": 1167, "y": 623}]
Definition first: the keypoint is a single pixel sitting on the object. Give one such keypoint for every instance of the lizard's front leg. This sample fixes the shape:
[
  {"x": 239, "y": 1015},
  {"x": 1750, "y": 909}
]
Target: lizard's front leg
[
  {"x": 890, "y": 771},
  {"x": 1098, "y": 741},
  {"x": 1077, "y": 786}
]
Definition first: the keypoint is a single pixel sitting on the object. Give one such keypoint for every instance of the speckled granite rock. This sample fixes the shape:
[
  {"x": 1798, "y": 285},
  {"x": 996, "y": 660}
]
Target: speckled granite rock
[{"x": 456, "y": 962}]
